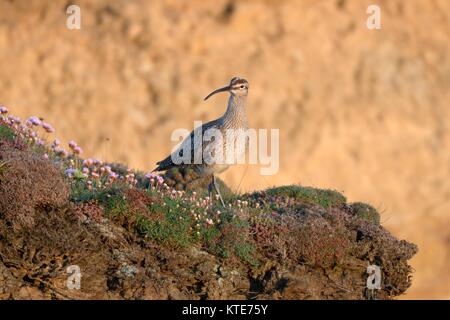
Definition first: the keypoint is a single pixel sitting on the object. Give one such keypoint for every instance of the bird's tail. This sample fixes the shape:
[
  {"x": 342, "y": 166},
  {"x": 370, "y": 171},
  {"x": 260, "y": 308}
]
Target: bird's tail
[
  {"x": 164, "y": 165},
  {"x": 158, "y": 168}
]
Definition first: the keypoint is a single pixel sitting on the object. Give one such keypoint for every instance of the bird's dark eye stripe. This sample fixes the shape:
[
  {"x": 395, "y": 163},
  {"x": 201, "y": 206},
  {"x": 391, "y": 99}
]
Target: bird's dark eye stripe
[{"x": 241, "y": 86}]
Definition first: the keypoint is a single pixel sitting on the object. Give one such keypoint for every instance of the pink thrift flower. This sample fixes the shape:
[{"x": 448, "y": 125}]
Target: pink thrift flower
[
  {"x": 13, "y": 119},
  {"x": 113, "y": 175},
  {"x": 95, "y": 175},
  {"x": 35, "y": 121},
  {"x": 3, "y": 110},
  {"x": 153, "y": 176},
  {"x": 45, "y": 156},
  {"x": 60, "y": 151},
  {"x": 88, "y": 162},
  {"x": 150, "y": 175},
  {"x": 69, "y": 172},
  {"x": 72, "y": 144},
  {"x": 77, "y": 150},
  {"x": 47, "y": 127}
]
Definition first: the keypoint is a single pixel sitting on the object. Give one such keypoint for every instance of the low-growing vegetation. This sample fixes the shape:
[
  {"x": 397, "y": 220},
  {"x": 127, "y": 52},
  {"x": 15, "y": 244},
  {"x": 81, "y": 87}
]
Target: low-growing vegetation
[{"x": 137, "y": 229}]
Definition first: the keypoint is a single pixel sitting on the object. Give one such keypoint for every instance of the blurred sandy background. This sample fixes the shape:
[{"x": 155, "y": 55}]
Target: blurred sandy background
[{"x": 364, "y": 112}]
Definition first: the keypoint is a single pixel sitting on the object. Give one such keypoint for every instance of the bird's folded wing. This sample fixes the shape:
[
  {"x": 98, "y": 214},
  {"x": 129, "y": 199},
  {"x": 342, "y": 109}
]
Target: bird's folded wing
[{"x": 193, "y": 144}]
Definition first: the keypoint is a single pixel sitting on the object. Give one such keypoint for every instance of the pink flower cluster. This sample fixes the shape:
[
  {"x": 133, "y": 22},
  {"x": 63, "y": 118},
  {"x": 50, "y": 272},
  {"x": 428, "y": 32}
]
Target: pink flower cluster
[
  {"x": 201, "y": 209},
  {"x": 63, "y": 153},
  {"x": 130, "y": 178},
  {"x": 98, "y": 172},
  {"x": 154, "y": 177},
  {"x": 34, "y": 121},
  {"x": 58, "y": 150},
  {"x": 71, "y": 172},
  {"x": 26, "y": 130},
  {"x": 47, "y": 127},
  {"x": 75, "y": 148}
]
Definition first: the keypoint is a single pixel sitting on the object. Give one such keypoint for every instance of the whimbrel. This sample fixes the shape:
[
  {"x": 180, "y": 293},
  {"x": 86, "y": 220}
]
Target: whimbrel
[{"x": 234, "y": 119}]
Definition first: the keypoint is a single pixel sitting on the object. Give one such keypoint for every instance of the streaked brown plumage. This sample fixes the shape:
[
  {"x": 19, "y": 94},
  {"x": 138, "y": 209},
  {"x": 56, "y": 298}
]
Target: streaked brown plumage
[{"x": 234, "y": 118}]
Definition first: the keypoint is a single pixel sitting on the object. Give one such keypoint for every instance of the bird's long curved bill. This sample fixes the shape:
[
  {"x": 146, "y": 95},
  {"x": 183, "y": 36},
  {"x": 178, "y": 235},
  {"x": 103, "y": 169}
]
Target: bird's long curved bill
[{"x": 227, "y": 88}]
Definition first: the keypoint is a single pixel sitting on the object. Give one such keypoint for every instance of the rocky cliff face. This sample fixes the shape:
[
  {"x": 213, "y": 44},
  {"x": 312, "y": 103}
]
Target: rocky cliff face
[{"x": 360, "y": 111}]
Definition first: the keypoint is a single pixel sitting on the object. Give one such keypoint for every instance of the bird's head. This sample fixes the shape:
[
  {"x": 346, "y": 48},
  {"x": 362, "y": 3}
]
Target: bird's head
[{"x": 237, "y": 87}]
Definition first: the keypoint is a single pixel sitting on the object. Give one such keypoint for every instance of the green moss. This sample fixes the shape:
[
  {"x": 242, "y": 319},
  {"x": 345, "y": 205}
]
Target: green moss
[
  {"x": 323, "y": 197},
  {"x": 6, "y": 132},
  {"x": 365, "y": 212}
]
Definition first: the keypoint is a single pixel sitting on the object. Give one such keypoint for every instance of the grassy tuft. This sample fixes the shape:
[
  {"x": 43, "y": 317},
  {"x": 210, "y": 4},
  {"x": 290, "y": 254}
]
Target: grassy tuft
[
  {"x": 232, "y": 239},
  {"x": 322, "y": 197},
  {"x": 167, "y": 225},
  {"x": 365, "y": 212}
]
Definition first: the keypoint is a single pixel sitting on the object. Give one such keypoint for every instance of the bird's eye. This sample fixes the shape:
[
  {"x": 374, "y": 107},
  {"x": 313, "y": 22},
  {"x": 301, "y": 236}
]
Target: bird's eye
[{"x": 242, "y": 87}]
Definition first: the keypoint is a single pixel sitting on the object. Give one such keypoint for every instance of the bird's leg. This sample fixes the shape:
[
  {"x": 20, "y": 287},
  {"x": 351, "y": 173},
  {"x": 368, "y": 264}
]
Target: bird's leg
[
  {"x": 217, "y": 190},
  {"x": 210, "y": 188}
]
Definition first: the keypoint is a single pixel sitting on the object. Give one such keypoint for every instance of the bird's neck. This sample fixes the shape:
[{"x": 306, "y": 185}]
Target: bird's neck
[{"x": 236, "y": 111}]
